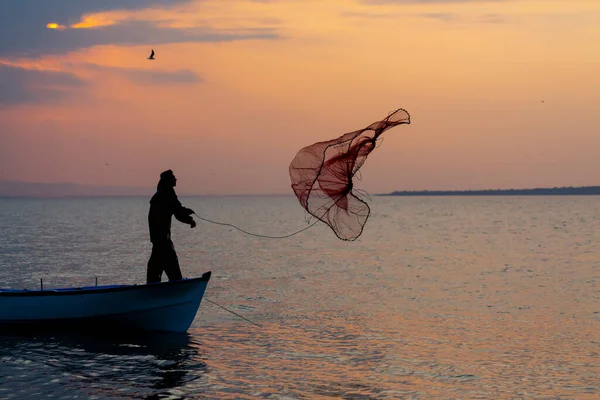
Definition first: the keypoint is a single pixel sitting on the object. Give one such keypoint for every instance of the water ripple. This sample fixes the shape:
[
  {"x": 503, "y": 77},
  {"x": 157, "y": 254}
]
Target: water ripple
[{"x": 444, "y": 298}]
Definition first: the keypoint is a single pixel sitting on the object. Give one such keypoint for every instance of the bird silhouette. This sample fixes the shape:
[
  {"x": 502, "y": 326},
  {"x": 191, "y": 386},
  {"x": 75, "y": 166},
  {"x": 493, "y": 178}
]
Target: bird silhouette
[{"x": 151, "y": 55}]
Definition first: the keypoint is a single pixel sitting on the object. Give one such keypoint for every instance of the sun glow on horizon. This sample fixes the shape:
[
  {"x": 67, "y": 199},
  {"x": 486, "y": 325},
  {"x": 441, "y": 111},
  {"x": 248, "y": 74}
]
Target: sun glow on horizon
[
  {"x": 94, "y": 21},
  {"x": 87, "y": 21},
  {"x": 54, "y": 25}
]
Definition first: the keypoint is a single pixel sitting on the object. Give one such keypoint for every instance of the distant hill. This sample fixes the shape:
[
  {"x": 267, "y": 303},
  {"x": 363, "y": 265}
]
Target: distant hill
[
  {"x": 65, "y": 189},
  {"x": 561, "y": 191}
]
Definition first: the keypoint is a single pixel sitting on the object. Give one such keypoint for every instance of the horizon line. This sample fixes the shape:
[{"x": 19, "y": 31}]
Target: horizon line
[{"x": 195, "y": 194}]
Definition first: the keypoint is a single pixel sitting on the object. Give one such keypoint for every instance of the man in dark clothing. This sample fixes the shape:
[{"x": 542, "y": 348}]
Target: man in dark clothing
[{"x": 163, "y": 205}]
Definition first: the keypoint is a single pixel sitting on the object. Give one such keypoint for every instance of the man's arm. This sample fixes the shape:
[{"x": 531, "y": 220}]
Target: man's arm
[
  {"x": 186, "y": 219},
  {"x": 181, "y": 213}
]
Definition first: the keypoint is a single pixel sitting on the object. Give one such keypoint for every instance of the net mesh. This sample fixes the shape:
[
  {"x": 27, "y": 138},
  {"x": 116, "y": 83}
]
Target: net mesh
[{"x": 322, "y": 176}]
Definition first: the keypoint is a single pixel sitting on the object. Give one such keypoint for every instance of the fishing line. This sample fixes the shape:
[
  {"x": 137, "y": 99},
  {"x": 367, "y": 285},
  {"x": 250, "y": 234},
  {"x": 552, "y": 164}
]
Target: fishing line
[
  {"x": 256, "y": 234},
  {"x": 244, "y": 318}
]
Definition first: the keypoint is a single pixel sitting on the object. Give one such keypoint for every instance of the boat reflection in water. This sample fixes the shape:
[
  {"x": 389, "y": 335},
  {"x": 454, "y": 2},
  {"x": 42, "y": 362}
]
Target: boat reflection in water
[{"x": 111, "y": 365}]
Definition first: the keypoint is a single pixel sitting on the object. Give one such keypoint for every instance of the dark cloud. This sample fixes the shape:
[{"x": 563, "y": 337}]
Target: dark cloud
[
  {"x": 23, "y": 31},
  {"x": 21, "y": 16},
  {"x": 20, "y": 85},
  {"x": 31, "y": 86},
  {"x": 154, "y": 77},
  {"x": 148, "y": 77}
]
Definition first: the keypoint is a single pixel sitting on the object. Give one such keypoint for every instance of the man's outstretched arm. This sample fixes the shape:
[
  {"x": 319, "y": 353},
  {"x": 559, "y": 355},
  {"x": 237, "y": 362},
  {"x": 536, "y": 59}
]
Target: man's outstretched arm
[
  {"x": 186, "y": 219},
  {"x": 181, "y": 213},
  {"x": 184, "y": 215}
]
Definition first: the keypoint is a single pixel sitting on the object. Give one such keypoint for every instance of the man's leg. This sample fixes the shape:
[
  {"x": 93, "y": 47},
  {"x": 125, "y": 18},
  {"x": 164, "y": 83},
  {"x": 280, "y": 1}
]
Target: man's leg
[
  {"x": 171, "y": 263},
  {"x": 155, "y": 264}
]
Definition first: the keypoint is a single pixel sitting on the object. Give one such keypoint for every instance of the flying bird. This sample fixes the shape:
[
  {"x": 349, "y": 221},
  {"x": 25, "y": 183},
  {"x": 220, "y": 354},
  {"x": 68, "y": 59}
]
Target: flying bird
[{"x": 151, "y": 55}]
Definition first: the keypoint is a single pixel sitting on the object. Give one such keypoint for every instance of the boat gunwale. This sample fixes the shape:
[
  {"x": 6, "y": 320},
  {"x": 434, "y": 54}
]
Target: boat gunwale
[{"x": 100, "y": 289}]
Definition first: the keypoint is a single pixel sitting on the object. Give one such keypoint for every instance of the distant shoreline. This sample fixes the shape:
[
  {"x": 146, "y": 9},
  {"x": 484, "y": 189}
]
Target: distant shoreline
[
  {"x": 561, "y": 191},
  {"x": 25, "y": 190}
]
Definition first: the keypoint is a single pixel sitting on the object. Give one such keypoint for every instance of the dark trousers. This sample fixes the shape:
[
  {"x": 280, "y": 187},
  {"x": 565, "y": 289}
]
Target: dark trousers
[{"x": 163, "y": 258}]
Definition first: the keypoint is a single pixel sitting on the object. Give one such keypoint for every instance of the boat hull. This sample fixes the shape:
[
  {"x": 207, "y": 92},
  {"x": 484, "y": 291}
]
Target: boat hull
[{"x": 165, "y": 307}]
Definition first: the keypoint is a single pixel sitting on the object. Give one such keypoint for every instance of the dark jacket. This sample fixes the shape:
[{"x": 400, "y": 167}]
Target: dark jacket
[{"x": 163, "y": 205}]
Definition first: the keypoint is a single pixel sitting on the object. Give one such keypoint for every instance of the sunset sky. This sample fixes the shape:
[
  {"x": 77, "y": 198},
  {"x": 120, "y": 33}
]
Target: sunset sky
[{"x": 502, "y": 94}]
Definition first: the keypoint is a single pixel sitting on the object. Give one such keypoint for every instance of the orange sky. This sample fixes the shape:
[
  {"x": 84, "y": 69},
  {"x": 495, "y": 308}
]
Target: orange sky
[{"x": 501, "y": 93}]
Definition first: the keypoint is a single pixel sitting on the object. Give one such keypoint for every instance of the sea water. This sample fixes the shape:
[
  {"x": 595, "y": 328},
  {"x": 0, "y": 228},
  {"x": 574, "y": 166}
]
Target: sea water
[{"x": 440, "y": 298}]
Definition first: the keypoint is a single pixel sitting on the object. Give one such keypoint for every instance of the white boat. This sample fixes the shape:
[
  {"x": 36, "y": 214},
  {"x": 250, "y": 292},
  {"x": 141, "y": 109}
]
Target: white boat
[{"x": 166, "y": 307}]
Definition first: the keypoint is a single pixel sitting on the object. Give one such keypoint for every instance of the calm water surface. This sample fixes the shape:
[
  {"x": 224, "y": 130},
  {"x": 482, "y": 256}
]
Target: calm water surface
[{"x": 440, "y": 298}]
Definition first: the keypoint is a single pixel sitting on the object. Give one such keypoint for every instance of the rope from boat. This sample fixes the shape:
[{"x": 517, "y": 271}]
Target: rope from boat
[
  {"x": 244, "y": 318},
  {"x": 256, "y": 234}
]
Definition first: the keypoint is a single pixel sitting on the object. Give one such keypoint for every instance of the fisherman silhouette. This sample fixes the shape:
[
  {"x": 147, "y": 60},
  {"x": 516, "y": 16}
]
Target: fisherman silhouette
[
  {"x": 151, "y": 55},
  {"x": 163, "y": 205}
]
